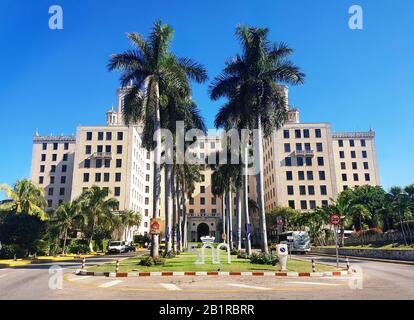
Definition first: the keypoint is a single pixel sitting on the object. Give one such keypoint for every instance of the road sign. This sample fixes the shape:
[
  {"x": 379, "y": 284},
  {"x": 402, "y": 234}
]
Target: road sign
[
  {"x": 335, "y": 219},
  {"x": 155, "y": 227}
]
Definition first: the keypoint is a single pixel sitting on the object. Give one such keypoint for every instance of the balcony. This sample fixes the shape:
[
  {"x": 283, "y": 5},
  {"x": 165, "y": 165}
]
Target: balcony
[
  {"x": 303, "y": 153},
  {"x": 102, "y": 155}
]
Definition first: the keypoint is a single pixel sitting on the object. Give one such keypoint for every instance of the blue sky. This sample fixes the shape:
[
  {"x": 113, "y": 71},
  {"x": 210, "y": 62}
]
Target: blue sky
[{"x": 56, "y": 80}]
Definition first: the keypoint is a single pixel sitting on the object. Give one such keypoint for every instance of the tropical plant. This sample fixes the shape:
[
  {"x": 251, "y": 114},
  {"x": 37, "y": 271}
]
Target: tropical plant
[
  {"x": 256, "y": 101},
  {"x": 151, "y": 73},
  {"x": 126, "y": 220},
  {"x": 98, "y": 210},
  {"x": 26, "y": 197}
]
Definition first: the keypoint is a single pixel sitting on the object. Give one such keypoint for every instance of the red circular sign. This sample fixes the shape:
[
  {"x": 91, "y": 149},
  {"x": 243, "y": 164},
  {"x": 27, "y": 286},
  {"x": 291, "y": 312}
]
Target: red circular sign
[{"x": 335, "y": 219}]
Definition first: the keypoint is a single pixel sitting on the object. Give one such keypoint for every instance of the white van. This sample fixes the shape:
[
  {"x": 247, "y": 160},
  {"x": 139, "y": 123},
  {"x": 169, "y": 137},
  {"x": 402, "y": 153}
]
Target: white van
[{"x": 116, "y": 247}]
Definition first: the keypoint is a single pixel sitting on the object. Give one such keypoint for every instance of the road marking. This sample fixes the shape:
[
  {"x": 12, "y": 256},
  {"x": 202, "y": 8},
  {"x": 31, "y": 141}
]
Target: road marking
[
  {"x": 110, "y": 284},
  {"x": 314, "y": 283},
  {"x": 2, "y": 276},
  {"x": 170, "y": 286},
  {"x": 80, "y": 278},
  {"x": 239, "y": 285}
]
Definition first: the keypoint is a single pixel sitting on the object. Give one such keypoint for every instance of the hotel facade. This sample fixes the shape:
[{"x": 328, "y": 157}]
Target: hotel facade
[{"x": 305, "y": 166}]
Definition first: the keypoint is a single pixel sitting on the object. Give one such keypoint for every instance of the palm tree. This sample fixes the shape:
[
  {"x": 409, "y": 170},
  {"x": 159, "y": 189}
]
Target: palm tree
[
  {"x": 26, "y": 198},
  {"x": 97, "y": 209},
  {"x": 152, "y": 70},
  {"x": 65, "y": 217},
  {"x": 129, "y": 219},
  {"x": 251, "y": 83}
]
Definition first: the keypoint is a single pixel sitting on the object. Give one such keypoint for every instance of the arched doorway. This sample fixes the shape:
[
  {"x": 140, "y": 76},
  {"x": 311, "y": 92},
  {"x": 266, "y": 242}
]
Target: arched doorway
[{"x": 202, "y": 230}]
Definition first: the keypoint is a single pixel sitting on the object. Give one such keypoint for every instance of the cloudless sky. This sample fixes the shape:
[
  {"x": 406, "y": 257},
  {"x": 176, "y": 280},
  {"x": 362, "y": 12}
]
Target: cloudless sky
[{"x": 55, "y": 80}]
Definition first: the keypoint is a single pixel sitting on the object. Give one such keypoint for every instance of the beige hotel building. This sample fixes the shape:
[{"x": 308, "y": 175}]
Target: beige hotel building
[{"x": 305, "y": 165}]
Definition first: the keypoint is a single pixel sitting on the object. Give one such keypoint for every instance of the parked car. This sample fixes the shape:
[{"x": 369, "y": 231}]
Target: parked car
[
  {"x": 130, "y": 247},
  {"x": 116, "y": 247}
]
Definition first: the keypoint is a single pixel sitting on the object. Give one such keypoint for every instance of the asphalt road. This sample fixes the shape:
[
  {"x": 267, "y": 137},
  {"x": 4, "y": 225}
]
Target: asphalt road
[{"x": 374, "y": 280}]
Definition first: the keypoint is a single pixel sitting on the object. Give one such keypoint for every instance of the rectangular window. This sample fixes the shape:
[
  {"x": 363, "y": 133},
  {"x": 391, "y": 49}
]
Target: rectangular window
[
  {"x": 306, "y": 133},
  {"x": 66, "y": 146},
  {"x": 99, "y": 149},
  {"x": 117, "y": 191},
  {"x": 120, "y": 136},
  {"x": 290, "y": 190},
  {"x": 202, "y": 200},
  {"x": 302, "y": 190},
  {"x": 324, "y": 203},
  {"x": 323, "y": 190},
  {"x": 288, "y": 161},
  {"x": 356, "y": 178},
  {"x": 100, "y": 136},
  {"x": 86, "y": 177},
  {"x": 201, "y": 145},
  {"x": 366, "y": 167},
  {"x": 107, "y": 163},
  {"x": 311, "y": 190},
  {"x": 44, "y": 146},
  {"x": 108, "y": 148},
  {"x": 106, "y": 177},
  {"x": 52, "y": 180},
  {"x": 286, "y": 134},
  {"x": 343, "y": 166},
  {"x": 289, "y": 175},
  {"x": 363, "y": 143},
  {"x": 318, "y": 133},
  {"x": 63, "y": 179},
  {"x": 287, "y": 147},
  {"x": 298, "y": 147},
  {"x": 118, "y": 177},
  {"x": 213, "y": 200},
  {"x": 55, "y": 146},
  {"x": 307, "y": 146},
  {"x": 322, "y": 175},
  {"x": 298, "y": 134},
  {"x": 50, "y": 192},
  {"x": 351, "y": 143},
  {"x": 341, "y": 143},
  {"x": 191, "y": 200},
  {"x": 88, "y": 136},
  {"x": 367, "y": 177},
  {"x": 320, "y": 161},
  {"x": 202, "y": 189},
  {"x": 341, "y": 154},
  {"x": 119, "y": 149},
  {"x": 97, "y": 177},
  {"x": 119, "y": 163},
  {"x": 344, "y": 177},
  {"x": 98, "y": 163},
  {"x": 301, "y": 175},
  {"x": 50, "y": 203},
  {"x": 292, "y": 204},
  {"x": 53, "y": 168},
  {"x": 87, "y": 163},
  {"x": 303, "y": 205},
  {"x": 109, "y": 136},
  {"x": 43, "y": 157},
  {"x": 364, "y": 154},
  {"x": 308, "y": 161},
  {"x": 41, "y": 180},
  {"x": 354, "y": 166},
  {"x": 353, "y": 154},
  {"x": 147, "y": 177},
  {"x": 42, "y": 168},
  {"x": 62, "y": 191},
  {"x": 299, "y": 161},
  {"x": 65, "y": 157},
  {"x": 319, "y": 147},
  {"x": 88, "y": 149},
  {"x": 147, "y": 189},
  {"x": 309, "y": 175},
  {"x": 54, "y": 157},
  {"x": 312, "y": 204}
]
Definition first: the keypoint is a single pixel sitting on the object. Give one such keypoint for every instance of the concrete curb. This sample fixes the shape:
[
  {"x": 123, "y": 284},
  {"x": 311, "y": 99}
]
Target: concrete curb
[
  {"x": 211, "y": 273},
  {"x": 410, "y": 263}
]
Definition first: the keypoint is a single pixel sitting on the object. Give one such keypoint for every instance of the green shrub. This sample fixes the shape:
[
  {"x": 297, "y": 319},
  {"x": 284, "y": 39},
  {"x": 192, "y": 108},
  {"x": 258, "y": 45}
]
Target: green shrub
[
  {"x": 234, "y": 252},
  {"x": 146, "y": 261},
  {"x": 263, "y": 258},
  {"x": 243, "y": 255},
  {"x": 78, "y": 246},
  {"x": 158, "y": 261},
  {"x": 168, "y": 255},
  {"x": 9, "y": 250}
]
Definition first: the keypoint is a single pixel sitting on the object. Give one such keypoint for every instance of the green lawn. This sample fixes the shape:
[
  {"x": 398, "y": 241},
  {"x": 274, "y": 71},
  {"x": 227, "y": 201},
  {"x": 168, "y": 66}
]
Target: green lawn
[
  {"x": 391, "y": 246},
  {"x": 185, "y": 262}
]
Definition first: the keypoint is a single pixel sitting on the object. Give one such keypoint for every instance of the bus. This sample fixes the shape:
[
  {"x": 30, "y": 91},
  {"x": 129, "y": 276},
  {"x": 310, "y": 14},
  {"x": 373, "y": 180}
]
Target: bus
[{"x": 297, "y": 241}]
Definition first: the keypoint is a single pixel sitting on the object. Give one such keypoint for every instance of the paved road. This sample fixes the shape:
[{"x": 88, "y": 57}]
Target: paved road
[{"x": 376, "y": 280}]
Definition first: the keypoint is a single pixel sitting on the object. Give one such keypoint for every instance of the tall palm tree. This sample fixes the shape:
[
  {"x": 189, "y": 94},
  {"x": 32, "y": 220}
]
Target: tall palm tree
[
  {"x": 153, "y": 70},
  {"x": 26, "y": 197},
  {"x": 251, "y": 83},
  {"x": 129, "y": 219},
  {"x": 98, "y": 209},
  {"x": 65, "y": 217}
]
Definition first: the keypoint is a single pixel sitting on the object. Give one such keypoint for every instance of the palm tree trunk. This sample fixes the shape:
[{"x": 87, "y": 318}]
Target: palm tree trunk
[
  {"x": 168, "y": 206},
  {"x": 260, "y": 185},
  {"x": 246, "y": 197},
  {"x": 157, "y": 170},
  {"x": 64, "y": 241},
  {"x": 179, "y": 236},
  {"x": 223, "y": 215},
  {"x": 91, "y": 237},
  {"x": 239, "y": 206},
  {"x": 185, "y": 229},
  {"x": 231, "y": 212},
  {"x": 174, "y": 212}
]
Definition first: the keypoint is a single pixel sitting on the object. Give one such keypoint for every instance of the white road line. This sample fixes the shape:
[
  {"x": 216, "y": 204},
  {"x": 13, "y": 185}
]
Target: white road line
[
  {"x": 239, "y": 285},
  {"x": 170, "y": 286},
  {"x": 80, "y": 278},
  {"x": 110, "y": 284},
  {"x": 314, "y": 283}
]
